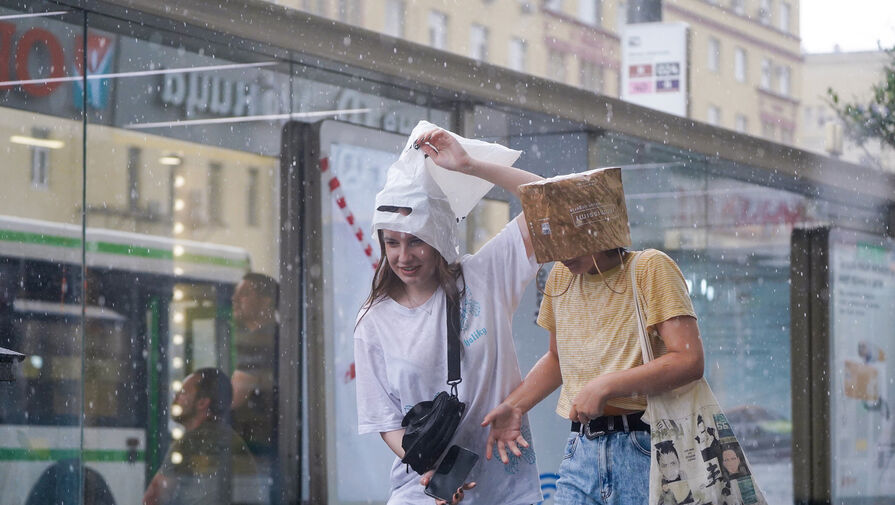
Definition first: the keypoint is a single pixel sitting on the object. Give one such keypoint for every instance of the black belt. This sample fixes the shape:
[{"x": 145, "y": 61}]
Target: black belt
[{"x": 600, "y": 426}]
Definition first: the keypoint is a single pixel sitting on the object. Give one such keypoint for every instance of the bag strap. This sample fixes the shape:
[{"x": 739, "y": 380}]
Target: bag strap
[
  {"x": 453, "y": 344},
  {"x": 645, "y": 346}
]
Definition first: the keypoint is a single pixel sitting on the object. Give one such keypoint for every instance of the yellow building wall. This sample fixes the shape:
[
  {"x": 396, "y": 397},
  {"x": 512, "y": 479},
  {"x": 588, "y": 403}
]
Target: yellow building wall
[{"x": 721, "y": 89}]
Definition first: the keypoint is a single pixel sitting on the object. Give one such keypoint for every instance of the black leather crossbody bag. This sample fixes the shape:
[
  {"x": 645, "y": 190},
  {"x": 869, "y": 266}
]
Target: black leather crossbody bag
[{"x": 430, "y": 425}]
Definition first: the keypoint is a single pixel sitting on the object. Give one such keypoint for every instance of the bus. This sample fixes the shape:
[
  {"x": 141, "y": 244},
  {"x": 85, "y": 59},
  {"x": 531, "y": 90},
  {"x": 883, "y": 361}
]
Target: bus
[{"x": 152, "y": 309}]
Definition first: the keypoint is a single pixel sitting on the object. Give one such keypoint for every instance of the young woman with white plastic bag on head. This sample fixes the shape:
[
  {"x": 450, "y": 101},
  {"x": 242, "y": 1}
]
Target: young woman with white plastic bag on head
[{"x": 400, "y": 337}]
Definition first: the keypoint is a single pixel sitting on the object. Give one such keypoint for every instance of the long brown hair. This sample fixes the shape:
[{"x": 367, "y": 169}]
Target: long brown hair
[{"x": 386, "y": 282}]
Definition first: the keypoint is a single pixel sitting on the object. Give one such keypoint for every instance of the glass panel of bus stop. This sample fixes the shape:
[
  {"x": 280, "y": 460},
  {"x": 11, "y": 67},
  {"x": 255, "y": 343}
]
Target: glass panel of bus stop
[
  {"x": 182, "y": 224},
  {"x": 40, "y": 253}
]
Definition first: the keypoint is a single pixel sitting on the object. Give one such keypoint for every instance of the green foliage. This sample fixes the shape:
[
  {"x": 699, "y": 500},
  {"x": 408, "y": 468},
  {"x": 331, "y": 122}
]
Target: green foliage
[{"x": 874, "y": 120}]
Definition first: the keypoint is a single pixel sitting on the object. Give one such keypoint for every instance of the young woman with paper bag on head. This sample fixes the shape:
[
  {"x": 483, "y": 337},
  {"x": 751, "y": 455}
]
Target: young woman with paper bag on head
[
  {"x": 625, "y": 347},
  {"x": 402, "y": 334}
]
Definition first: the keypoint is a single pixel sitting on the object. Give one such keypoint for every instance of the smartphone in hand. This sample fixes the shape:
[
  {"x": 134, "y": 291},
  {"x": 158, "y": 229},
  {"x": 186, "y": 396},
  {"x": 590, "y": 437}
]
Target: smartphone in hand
[{"x": 451, "y": 473}]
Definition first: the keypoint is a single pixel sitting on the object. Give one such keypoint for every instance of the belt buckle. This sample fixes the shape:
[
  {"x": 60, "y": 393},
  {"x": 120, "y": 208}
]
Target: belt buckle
[{"x": 591, "y": 434}]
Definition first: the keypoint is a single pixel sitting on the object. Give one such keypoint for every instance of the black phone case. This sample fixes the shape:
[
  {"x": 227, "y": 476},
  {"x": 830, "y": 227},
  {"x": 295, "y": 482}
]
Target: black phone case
[{"x": 451, "y": 473}]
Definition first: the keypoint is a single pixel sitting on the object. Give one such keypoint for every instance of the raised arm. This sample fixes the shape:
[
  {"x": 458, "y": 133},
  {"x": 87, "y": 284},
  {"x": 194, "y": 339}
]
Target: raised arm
[{"x": 446, "y": 152}]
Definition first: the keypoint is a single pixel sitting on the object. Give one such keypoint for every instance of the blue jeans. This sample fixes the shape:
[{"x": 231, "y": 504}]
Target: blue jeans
[{"x": 609, "y": 470}]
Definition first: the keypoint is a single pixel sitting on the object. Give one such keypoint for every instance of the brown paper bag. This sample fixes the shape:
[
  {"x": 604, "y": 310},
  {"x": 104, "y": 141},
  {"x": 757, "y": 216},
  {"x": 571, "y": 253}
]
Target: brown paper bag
[{"x": 577, "y": 214}]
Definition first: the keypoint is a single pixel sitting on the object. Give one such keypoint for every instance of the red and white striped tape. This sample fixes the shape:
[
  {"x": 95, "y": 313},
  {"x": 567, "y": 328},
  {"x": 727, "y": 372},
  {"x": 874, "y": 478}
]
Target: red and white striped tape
[{"x": 335, "y": 189}]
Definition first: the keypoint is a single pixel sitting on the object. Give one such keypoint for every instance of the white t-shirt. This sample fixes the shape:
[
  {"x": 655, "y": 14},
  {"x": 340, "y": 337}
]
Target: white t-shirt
[{"x": 401, "y": 359}]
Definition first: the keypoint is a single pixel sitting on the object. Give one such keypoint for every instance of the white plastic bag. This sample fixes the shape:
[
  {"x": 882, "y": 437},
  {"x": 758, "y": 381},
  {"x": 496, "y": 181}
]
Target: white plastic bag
[
  {"x": 464, "y": 191},
  {"x": 436, "y": 197}
]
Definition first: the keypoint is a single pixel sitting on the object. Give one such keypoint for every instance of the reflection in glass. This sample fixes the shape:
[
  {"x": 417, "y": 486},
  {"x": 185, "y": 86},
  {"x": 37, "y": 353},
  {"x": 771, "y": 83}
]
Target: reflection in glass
[
  {"x": 176, "y": 131},
  {"x": 41, "y": 281}
]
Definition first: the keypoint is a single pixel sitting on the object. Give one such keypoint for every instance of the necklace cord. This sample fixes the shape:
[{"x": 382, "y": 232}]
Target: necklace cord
[{"x": 620, "y": 277}]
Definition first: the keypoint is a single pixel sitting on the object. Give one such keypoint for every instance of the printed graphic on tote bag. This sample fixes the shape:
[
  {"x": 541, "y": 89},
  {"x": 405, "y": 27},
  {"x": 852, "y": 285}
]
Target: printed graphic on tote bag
[
  {"x": 675, "y": 487},
  {"x": 706, "y": 468}
]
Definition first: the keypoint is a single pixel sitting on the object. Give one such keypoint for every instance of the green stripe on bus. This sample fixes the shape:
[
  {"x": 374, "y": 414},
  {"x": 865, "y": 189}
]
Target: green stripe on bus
[
  {"x": 90, "y": 455},
  {"x": 120, "y": 249},
  {"x": 38, "y": 238}
]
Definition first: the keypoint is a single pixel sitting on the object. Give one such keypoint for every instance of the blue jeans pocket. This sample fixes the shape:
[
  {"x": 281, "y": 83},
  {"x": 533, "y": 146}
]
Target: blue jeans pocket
[
  {"x": 641, "y": 441},
  {"x": 570, "y": 446}
]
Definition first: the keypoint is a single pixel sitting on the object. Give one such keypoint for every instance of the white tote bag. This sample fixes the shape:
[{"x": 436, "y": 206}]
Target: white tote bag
[{"x": 695, "y": 457}]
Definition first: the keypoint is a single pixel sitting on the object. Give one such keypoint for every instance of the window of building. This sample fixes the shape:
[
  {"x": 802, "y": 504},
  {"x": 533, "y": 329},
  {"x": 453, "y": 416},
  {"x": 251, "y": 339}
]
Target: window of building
[
  {"x": 175, "y": 181},
  {"x": 786, "y": 135},
  {"x": 714, "y": 56},
  {"x": 553, "y": 5},
  {"x": 215, "y": 193},
  {"x": 133, "y": 178},
  {"x": 518, "y": 54},
  {"x": 314, "y": 6},
  {"x": 590, "y": 11},
  {"x": 783, "y": 20},
  {"x": 40, "y": 167},
  {"x": 713, "y": 116},
  {"x": 741, "y": 123},
  {"x": 478, "y": 42},
  {"x": 738, "y": 6},
  {"x": 438, "y": 22},
  {"x": 764, "y": 12},
  {"x": 350, "y": 12},
  {"x": 621, "y": 15},
  {"x": 783, "y": 74},
  {"x": 769, "y": 130},
  {"x": 591, "y": 76},
  {"x": 739, "y": 64},
  {"x": 394, "y": 18},
  {"x": 556, "y": 65},
  {"x": 765, "y": 74},
  {"x": 40, "y": 160},
  {"x": 252, "y": 194}
]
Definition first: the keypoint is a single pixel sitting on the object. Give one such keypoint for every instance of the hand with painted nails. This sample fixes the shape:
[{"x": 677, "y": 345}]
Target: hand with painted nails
[
  {"x": 444, "y": 150},
  {"x": 458, "y": 495},
  {"x": 506, "y": 431}
]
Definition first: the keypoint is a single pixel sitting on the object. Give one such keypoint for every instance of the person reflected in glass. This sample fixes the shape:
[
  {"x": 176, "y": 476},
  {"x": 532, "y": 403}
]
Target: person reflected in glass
[
  {"x": 255, "y": 316},
  {"x": 401, "y": 337},
  {"x": 199, "y": 468}
]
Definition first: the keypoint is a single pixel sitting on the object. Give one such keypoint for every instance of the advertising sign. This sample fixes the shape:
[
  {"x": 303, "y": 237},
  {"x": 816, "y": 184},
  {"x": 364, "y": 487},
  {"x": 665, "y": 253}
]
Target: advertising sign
[
  {"x": 654, "y": 66},
  {"x": 862, "y": 313}
]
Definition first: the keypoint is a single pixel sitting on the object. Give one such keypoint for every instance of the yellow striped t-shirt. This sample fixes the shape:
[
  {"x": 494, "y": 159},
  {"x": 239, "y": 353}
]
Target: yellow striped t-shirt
[{"x": 596, "y": 329}]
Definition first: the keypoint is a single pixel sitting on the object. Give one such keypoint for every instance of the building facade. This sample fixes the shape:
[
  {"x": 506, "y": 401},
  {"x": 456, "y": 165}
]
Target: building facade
[
  {"x": 851, "y": 75},
  {"x": 744, "y": 60},
  {"x": 746, "y": 64}
]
